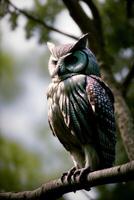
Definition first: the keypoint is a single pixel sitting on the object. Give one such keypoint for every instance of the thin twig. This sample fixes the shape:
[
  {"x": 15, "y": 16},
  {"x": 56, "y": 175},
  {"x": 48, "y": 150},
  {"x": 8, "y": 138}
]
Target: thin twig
[
  {"x": 39, "y": 21},
  {"x": 55, "y": 189}
]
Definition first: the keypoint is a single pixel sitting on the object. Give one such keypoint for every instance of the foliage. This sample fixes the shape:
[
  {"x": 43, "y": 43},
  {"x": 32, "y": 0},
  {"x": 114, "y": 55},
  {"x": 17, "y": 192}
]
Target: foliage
[
  {"x": 19, "y": 169},
  {"x": 44, "y": 11},
  {"x": 117, "y": 191},
  {"x": 8, "y": 78},
  {"x": 117, "y": 26}
]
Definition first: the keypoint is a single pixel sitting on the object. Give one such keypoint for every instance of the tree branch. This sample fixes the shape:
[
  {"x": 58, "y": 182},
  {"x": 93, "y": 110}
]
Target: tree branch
[
  {"x": 55, "y": 189},
  {"x": 129, "y": 8},
  {"x": 128, "y": 80},
  {"x": 83, "y": 21},
  {"x": 77, "y": 13},
  {"x": 93, "y": 9},
  {"x": 98, "y": 30},
  {"x": 97, "y": 19},
  {"x": 39, "y": 21}
]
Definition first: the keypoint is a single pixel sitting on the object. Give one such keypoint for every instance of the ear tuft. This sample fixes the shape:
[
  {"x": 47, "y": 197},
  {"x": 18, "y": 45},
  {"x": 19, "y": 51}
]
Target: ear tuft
[
  {"x": 50, "y": 46},
  {"x": 83, "y": 39},
  {"x": 81, "y": 43}
]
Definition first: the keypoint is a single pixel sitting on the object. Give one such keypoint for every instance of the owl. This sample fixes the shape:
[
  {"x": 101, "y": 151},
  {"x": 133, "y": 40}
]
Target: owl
[{"x": 81, "y": 106}]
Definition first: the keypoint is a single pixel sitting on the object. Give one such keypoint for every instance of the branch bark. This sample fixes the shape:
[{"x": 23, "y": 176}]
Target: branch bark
[
  {"x": 97, "y": 20},
  {"x": 39, "y": 21},
  {"x": 55, "y": 189},
  {"x": 125, "y": 123},
  {"x": 128, "y": 80},
  {"x": 123, "y": 114}
]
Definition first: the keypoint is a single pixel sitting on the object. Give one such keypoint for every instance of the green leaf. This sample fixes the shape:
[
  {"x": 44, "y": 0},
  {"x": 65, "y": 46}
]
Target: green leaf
[
  {"x": 3, "y": 8},
  {"x": 13, "y": 20}
]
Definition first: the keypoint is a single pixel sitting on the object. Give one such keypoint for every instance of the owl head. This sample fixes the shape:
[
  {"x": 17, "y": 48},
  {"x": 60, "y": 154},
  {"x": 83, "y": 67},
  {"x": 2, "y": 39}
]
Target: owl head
[{"x": 71, "y": 59}]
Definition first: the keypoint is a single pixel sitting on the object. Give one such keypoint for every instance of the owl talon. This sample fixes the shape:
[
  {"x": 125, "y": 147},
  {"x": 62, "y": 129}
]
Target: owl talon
[
  {"x": 63, "y": 177},
  {"x": 70, "y": 174},
  {"x": 82, "y": 176},
  {"x": 76, "y": 174},
  {"x": 67, "y": 175}
]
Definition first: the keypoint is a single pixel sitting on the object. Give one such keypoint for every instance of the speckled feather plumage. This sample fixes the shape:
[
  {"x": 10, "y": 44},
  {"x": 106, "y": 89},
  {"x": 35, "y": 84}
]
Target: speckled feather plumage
[
  {"x": 79, "y": 124},
  {"x": 102, "y": 98}
]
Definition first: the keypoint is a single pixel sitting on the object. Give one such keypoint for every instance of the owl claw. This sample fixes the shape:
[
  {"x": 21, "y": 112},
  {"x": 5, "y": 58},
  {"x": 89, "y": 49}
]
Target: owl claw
[
  {"x": 82, "y": 176},
  {"x": 68, "y": 175},
  {"x": 73, "y": 173}
]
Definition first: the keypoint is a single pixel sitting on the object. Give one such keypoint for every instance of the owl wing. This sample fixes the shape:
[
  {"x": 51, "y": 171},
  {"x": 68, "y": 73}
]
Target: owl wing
[{"x": 101, "y": 99}]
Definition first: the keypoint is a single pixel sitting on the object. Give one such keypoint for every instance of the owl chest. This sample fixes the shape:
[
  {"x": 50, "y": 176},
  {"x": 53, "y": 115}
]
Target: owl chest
[
  {"x": 66, "y": 94},
  {"x": 68, "y": 106}
]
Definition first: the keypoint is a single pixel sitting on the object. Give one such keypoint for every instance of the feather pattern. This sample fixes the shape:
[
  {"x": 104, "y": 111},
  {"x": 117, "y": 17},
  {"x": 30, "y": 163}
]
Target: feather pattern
[
  {"x": 101, "y": 97},
  {"x": 71, "y": 111},
  {"x": 78, "y": 109},
  {"x": 71, "y": 103},
  {"x": 73, "y": 120},
  {"x": 61, "y": 50},
  {"x": 80, "y": 105}
]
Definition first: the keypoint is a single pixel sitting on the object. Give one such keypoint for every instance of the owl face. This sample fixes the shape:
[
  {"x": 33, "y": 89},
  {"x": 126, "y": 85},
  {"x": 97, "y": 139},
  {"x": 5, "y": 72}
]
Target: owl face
[{"x": 71, "y": 59}]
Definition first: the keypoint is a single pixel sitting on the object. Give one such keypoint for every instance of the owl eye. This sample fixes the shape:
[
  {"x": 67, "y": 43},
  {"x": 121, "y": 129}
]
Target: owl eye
[
  {"x": 75, "y": 62},
  {"x": 70, "y": 60},
  {"x": 54, "y": 62}
]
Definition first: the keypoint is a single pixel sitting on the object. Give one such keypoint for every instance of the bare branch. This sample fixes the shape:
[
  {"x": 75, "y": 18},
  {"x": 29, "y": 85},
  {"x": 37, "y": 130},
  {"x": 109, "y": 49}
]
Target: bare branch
[
  {"x": 128, "y": 80},
  {"x": 55, "y": 189},
  {"x": 39, "y": 21}
]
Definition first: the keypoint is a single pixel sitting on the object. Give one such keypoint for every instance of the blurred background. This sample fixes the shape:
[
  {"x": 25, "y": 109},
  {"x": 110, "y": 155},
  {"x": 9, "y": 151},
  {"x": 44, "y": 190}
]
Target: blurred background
[{"x": 29, "y": 154}]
